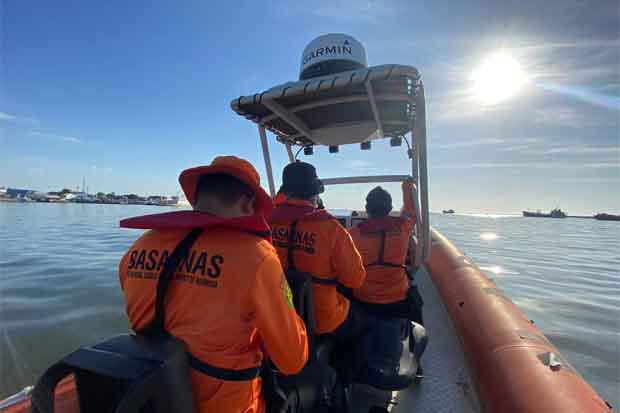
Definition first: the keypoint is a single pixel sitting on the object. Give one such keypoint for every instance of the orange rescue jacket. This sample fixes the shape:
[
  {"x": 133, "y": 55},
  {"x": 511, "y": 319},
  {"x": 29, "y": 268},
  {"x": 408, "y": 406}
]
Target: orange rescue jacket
[
  {"x": 229, "y": 303},
  {"x": 324, "y": 249},
  {"x": 385, "y": 284},
  {"x": 280, "y": 198}
]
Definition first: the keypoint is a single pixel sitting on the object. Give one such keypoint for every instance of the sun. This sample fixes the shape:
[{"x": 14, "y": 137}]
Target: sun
[{"x": 499, "y": 77}]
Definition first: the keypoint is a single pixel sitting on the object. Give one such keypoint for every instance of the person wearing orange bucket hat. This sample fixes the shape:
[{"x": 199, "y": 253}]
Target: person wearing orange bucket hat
[
  {"x": 228, "y": 300},
  {"x": 232, "y": 167}
]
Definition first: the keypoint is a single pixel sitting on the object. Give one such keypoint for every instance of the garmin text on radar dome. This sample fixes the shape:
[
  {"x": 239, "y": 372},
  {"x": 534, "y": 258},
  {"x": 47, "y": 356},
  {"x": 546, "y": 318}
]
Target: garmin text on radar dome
[{"x": 344, "y": 49}]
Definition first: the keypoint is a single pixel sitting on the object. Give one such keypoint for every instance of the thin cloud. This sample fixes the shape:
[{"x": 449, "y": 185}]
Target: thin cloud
[
  {"x": 71, "y": 139},
  {"x": 532, "y": 165},
  {"x": 466, "y": 144},
  {"x": 357, "y": 164},
  {"x": 360, "y": 166},
  {"x": 579, "y": 44},
  {"x": 7, "y": 117},
  {"x": 102, "y": 170},
  {"x": 524, "y": 146},
  {"x": 367, "y": 12},
  {"x": 454, "y": 109},
  {"x": 459, "y": 104},
  {"x": 582, "y": 149},
  {"x": 60, "y": 138},
  {"x": 588, "y": 180},
  {"x": 585, "y": 71},
  {"x": 515, "y": 148},
  {"x": 584, "y": 95},
  {"x": 575, "y": 149},
  {"x": 563, "y": 115},
  {"x": 569, "y": 116}
]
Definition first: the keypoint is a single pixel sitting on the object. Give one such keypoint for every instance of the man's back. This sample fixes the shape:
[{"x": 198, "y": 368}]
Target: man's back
[
  {"x": 227, "y": 302},
  {"x": 384, "y": 283},
  {"x": 324, "y": 249},
  {"x": 385, "y": 239}
]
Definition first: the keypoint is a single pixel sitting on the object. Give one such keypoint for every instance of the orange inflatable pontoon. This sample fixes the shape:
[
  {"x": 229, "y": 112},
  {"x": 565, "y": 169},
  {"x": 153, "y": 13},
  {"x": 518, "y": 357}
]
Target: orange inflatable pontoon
[{"x": 512, "y": 364}]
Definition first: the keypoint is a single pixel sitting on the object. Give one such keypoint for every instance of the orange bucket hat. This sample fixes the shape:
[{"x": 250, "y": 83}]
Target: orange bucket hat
[{"x": 230, "y": 165}]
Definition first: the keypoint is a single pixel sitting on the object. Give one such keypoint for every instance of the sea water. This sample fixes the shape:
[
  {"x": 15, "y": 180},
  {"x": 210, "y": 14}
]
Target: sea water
[{"x": 59, "y": 284}]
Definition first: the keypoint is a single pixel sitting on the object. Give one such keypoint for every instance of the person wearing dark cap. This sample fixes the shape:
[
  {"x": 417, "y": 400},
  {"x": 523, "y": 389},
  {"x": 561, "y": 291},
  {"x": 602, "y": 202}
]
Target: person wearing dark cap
[
  {"x": 321, "y": 247},
  {"x": 229, "y": 301},
  {"x": 383, "y": 242}
]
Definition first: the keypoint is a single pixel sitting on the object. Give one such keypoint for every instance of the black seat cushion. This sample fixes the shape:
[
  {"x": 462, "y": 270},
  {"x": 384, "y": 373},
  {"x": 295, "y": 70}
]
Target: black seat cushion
[{"x": 390, "y": 364}]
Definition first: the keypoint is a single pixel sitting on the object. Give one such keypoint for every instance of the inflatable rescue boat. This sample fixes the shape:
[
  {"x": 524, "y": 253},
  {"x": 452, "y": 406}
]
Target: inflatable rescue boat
[{"x": 483, "y": 354}]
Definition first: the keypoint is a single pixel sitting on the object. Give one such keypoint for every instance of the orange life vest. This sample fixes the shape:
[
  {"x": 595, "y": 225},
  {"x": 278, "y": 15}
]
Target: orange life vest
[
  {"x": 280, "y": 198},
  {"x": 383, "y": 243},
  {"x": 324, "y": 249},
  {"x": 229, "y": 301}
]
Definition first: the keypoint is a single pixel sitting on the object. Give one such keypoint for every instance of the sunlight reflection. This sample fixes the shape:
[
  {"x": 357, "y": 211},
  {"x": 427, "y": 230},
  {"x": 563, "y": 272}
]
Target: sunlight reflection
[
  {"x": 495, "y": 269},
  {"x": 488, "y": 236},
  {"x": 493, "y": 216}
]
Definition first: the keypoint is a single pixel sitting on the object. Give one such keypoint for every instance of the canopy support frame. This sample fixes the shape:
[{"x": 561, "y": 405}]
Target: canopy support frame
[
  {"x": 418, "y": 154},
  {"x": 373, "y": 106},
  {"x": 289, "y": 117},
  {"x": 265, "y": 145}
]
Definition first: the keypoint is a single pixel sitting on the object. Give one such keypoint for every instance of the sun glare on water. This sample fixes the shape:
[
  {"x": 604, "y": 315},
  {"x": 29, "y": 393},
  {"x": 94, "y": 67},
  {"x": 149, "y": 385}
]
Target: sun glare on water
[
  {"x": 499, "y": 77},
  {"x": 488, "y": 236}
]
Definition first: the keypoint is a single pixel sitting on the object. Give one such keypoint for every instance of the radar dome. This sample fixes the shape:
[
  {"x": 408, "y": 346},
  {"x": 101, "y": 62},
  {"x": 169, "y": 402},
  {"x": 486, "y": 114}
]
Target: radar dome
[{"x": 332, "y": 53}]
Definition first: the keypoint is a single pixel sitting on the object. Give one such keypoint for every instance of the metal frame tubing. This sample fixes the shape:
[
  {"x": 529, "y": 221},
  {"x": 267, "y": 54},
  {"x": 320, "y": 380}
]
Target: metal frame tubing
[
  {"x": 267, "y": 157},
  {"x": 420, "y": 136},
  {"x": 365, "y": 179}
]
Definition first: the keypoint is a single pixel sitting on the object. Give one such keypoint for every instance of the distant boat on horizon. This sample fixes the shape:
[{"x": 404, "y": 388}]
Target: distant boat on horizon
[
  {"x": 606, "y": 217},
  {"x": 555, "y": 213},
  {"x": 448, "y": 211}
]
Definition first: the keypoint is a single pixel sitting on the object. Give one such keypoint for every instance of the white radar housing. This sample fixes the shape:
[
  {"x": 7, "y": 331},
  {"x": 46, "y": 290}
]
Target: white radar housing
[{"x": 332, "y": 53}]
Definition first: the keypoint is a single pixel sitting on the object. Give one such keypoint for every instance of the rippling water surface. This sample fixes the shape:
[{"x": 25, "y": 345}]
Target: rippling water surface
[{"x": 59, "y": 286}]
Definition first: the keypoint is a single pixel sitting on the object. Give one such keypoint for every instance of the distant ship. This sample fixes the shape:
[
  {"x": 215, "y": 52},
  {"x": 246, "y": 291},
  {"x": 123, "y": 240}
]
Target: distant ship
[
  {"x": 555, "y": 213},
  {"x": 607, "y": 217},
  {"x": 448, "y": 211}
]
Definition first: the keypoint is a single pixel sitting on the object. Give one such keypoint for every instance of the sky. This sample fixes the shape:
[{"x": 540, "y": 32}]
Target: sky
[{"x": 128, "y": 94}]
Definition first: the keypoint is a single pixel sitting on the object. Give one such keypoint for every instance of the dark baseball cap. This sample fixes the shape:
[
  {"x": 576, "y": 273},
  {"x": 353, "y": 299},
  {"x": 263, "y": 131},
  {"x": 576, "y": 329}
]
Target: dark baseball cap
[{"x": 299, "y": 179}]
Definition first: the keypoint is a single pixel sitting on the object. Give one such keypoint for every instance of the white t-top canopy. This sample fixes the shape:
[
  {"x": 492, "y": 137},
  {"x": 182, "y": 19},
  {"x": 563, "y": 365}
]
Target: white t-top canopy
[
  {"x": 349, "y": 107},
  {"x": 343, "y": 108}
]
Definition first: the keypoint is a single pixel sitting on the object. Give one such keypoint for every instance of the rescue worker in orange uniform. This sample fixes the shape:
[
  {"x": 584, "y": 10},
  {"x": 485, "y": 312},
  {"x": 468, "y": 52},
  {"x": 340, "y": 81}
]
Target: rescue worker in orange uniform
[
  {"x": 229, "y": 301},
  {"x": 383, "y": 242},
  {"x": 322, "y": 248}
]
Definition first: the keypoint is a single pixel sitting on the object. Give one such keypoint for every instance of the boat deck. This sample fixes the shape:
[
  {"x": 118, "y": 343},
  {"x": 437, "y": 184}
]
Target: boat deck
[{"x": 446, "y": 386}]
